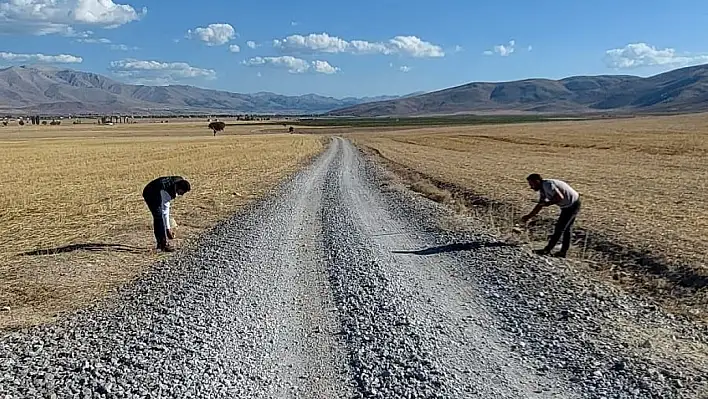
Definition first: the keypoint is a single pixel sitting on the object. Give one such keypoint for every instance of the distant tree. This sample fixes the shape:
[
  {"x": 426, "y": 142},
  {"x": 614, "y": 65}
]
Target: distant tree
[
  {"x": 44, "y": 123},
  {"x": 55, "y": 123},
  {"x": 21, "y": 122},
  {"x": 4, "y": 123},
  {"x": 291, "y": 130},
  {"x": 217, "y": 127}
]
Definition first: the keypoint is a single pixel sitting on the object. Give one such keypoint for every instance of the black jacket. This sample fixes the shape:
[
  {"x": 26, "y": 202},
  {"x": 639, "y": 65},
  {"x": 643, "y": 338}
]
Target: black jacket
[{"x": 167, "y": 183}]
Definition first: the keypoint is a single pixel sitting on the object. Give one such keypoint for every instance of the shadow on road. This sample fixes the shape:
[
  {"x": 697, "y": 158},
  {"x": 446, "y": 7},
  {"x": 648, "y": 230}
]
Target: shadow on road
[
  {"x": 468, "y": 246},
  {"x": 94, "y": 247}
]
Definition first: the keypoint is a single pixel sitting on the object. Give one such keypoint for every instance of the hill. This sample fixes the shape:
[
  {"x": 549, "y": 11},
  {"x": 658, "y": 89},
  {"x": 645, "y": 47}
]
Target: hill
[
  {"x": 680, "y": 90},
  {"x": 31, "y": 89}
]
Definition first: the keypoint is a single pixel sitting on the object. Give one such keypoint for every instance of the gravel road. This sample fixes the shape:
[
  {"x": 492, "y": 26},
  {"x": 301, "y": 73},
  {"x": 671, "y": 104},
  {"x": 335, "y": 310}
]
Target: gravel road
[{"x": 339, "y": 285}]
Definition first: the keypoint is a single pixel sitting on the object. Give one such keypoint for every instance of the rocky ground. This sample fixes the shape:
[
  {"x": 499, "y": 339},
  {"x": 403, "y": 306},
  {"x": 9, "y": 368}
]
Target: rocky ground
[{"x": 342, "y": 284}]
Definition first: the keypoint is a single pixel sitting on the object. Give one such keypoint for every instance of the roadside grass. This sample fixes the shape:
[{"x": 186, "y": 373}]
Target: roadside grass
[
  {"x": 644, "y": 219},
  {"x": 72, "y": 217}
]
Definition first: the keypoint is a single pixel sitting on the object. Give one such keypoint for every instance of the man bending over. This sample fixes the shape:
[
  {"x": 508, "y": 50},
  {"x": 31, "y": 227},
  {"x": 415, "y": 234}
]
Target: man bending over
[
  {"x": 555, "y": 192},
  {"x": 158, "y": 194}
]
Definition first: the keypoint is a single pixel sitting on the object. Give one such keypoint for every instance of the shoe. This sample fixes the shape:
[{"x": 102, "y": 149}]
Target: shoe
[
  {"x": 541, "y": 251},
  {"x": 165, "y": 248},
  {"x": 559, "y": 255}
]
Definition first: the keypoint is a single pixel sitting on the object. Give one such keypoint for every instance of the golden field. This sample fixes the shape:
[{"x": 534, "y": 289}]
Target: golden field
[
  {"x": 643, "y": 183},
  {"x": 82, "y": 184}
]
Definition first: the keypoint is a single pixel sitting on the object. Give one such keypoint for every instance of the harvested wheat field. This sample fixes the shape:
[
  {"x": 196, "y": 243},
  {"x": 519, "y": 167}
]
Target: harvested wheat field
[
  {"x": 77, "y": 195},
  {"x": 642, "y": 182}
]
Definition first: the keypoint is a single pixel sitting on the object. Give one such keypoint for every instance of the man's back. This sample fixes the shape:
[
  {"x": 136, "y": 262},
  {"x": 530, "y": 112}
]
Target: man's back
[
  {"x": 569, "y": 194},
  {"x": 164, "y": 183}
]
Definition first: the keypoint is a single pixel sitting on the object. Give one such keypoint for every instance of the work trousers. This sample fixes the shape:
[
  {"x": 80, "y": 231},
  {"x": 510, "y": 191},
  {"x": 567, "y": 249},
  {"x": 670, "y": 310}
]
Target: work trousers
[
  {"x": 153, "y": 202},
  {"x": 564, "y": 226}
]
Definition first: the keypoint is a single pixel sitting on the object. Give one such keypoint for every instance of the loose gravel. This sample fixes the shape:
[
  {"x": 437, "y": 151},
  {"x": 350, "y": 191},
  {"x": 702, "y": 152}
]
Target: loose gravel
[{"x": 335, "y": 286}]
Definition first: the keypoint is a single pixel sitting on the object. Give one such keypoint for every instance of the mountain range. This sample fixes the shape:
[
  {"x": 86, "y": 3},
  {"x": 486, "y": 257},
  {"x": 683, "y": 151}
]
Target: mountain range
[
  {"x": 39, "y": 89},
  {"x": 679, "y": 90},
  {"x": 33, "y": 89}
]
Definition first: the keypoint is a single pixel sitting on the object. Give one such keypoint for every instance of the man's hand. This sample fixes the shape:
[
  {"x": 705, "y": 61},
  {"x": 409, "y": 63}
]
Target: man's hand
[{"x": 170, "y": 234}]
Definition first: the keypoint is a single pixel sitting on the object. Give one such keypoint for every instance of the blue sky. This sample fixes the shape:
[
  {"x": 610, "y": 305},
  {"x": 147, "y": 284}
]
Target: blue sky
[{"x": 355, "y": 48}]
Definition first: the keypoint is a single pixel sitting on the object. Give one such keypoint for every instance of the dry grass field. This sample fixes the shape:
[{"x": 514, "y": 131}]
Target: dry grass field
[
  {"x": 82, "y": 184},
  {"x": 643, "y": 182}
]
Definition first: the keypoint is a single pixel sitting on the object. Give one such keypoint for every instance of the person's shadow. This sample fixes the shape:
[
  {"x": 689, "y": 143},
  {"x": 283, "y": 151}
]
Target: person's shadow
[
  {"x": 456, "y": 247},
  {"x": 93, "y": 247}
]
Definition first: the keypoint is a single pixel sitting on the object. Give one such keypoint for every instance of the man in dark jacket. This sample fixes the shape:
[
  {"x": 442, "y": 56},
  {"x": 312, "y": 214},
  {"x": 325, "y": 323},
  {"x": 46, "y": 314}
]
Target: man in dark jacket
[{"x": 158, "y": 194}]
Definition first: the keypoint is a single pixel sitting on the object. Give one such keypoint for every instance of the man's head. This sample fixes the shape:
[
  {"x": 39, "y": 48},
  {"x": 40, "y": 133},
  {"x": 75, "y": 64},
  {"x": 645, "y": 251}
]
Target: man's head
[
  {"x": 535, "y": 180},
  {"x": 182, "y": 187}
]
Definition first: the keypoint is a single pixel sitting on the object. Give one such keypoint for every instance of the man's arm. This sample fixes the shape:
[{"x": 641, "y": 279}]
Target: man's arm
[
  {"x": 542, "y": 203},
  {"x": 533, "y": 212},
  {"x": 557, "y": 197},
  {"x": 165, "y": 208}
]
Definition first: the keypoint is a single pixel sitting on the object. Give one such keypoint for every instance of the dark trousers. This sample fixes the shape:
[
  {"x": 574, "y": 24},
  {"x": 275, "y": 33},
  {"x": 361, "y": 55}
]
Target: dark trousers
[
  {"x": 563, "y": 227},
  {"x": 159, "y": 227}
]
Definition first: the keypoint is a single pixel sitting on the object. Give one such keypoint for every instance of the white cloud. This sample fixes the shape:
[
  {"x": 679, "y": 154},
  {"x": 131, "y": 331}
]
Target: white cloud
[
  {"x": 155, "y": 72},
  {"x": 251, "y": 44},
  {"x": 324, "y": 43},
  {"x": 317, "y": 42},
  {"x": 116, "y": 47},
  {"x": 214, "y": 34},
  {"x": 530, "y": 48},
  {"x": 404, "y": 69},
  {"x": 293, "y": 23},
  {"x": 45, "y": 17},
  {"x": 122, "y": 47},
  {"x": 324, "y": 67},
  {"x": 94, "y": 41},
  {"x": 364, "y": 47},
  {"x": 41, "y": 58},
  {"x": 458, "y": 48},
  {"x": 234, "y": 48},
  {"x": 635, "y": 55},
  {"x": 413, "y": 46},
  {"x": 503, "y": 50},
  {"x": 292, "y": 64},
  {"x": 259, "y": 74}
]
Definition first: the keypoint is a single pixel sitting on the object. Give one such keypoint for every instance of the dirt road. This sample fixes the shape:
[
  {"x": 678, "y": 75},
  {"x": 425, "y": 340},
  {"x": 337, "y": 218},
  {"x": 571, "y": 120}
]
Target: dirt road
[{"x": 336, "y": 286}]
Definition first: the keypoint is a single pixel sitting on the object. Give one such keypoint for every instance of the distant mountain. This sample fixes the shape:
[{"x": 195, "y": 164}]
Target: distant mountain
[
  {"x": 32, "y": 89},
  {"x": 680, "y": 90}
]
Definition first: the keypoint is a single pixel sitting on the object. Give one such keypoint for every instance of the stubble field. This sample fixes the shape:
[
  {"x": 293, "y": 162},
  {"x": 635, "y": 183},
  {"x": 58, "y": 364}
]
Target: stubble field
[
  {"x": 644, "y": 220},
  {"x": 72, "y": 217}
]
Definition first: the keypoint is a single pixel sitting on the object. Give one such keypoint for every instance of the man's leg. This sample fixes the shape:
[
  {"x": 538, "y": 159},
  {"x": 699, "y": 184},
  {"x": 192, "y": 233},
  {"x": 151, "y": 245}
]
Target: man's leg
[
  {"x": 567, "y": 233},
  {"x": 159, "y": 228},
  {"x": 157, "y": 223},
  {"x": 561, "y": 225}
]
